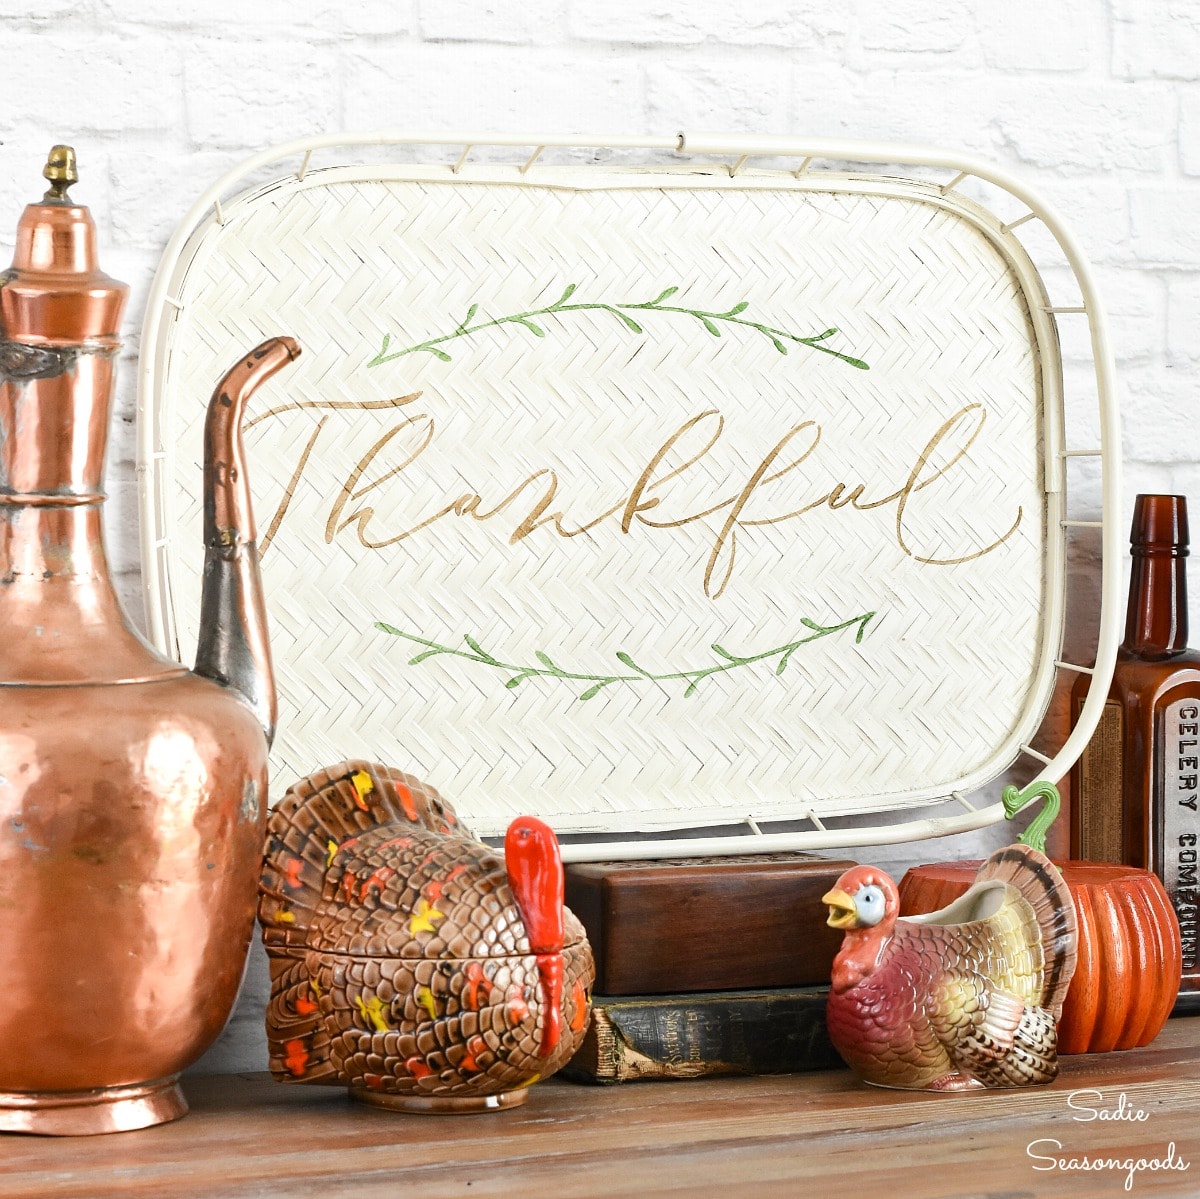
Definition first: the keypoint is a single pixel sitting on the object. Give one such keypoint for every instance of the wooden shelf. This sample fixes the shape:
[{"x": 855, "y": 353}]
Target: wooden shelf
[{"x": 249, "y": 1136}]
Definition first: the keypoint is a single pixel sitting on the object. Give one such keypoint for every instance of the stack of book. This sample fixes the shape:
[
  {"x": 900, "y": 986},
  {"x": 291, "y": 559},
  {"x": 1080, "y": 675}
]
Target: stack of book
[{"x": 706, "y": 966}]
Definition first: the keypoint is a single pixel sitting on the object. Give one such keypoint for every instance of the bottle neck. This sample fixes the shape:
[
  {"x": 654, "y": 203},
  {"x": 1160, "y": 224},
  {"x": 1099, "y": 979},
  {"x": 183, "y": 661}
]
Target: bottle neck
[
  {"x": 61, "y": 618},
  {"x": 54, "y": 409},
  {"x": 52, "y": 545},
  {"x": 1156, "y": 623}
]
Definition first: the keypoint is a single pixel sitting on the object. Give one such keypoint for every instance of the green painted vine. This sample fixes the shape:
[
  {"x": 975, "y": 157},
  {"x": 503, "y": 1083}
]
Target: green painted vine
[
  {"x": 712, "y": 322},
  {"x": 547, "y": 668}
]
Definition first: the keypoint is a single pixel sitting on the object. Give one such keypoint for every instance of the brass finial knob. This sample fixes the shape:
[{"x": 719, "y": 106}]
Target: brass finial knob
[{"x": 60, "y": 170}]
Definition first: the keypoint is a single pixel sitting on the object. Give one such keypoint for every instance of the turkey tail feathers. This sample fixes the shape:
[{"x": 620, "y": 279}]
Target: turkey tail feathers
[
  {"x": 1043, "y": 886},
  {"x": 297, "y": 1040},
  {"x": 1033, "y": 1058},
  {"x": 318, "y": 816}
]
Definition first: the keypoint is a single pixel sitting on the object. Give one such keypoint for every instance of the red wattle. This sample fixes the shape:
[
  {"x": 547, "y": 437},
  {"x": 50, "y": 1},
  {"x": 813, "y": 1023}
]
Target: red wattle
[
  {"x": 535, "y": 875},
  {"x": 550, "y": 969}
]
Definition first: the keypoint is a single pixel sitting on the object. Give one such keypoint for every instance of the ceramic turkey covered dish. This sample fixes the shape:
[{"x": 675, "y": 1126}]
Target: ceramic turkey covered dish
[{"x": 410, "y": 962}]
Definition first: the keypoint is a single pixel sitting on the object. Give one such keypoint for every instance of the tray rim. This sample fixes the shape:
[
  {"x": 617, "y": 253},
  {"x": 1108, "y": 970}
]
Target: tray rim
[{"x": 210, "y": 209}]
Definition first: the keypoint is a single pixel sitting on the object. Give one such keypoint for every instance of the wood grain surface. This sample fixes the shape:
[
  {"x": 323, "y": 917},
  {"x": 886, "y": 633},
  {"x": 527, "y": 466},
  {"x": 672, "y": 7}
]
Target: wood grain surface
[
  {"x": 706, "y": 924},
  {"x": 818, "y": 1134}
]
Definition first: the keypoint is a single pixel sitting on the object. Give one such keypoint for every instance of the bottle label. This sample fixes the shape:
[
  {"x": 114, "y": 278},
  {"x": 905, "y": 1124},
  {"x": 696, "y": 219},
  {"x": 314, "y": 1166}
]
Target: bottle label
[
  {"x": 1101, "y": 790},
  {"x": 1177, "y": 856}
]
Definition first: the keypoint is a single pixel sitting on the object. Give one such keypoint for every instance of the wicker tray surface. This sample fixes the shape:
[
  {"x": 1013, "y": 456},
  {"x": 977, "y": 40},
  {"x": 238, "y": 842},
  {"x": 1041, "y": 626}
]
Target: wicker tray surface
[{"x": 651, "y": 546}]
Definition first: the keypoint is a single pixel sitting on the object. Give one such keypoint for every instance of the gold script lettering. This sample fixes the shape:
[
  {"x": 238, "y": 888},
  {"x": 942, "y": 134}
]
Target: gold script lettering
[
  {"x": 728, "y": 533},
  {"x": 351, "y": 491},
  {"x": 647, "y": 501},
  {"x": 917, "y": 482}
]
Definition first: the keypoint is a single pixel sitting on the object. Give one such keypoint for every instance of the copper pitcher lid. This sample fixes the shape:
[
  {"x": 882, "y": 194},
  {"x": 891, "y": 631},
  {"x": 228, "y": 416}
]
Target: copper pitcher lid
[{"x": 55, "y": 292}]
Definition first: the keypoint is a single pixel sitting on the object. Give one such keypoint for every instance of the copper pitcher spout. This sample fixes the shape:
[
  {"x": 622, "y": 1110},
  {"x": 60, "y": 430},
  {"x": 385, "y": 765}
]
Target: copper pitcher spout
[{"x": 234, "y": 650}]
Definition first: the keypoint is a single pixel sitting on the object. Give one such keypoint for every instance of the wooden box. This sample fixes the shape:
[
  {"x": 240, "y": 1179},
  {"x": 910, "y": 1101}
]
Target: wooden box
[{"x": 708, "y": 924}]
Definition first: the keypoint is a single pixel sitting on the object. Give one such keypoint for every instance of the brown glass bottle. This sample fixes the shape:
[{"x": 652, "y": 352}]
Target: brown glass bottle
[{"x": 1136, "y": 789}]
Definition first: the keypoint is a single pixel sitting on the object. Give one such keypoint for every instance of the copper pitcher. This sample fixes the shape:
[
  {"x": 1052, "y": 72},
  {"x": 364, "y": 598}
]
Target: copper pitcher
[{"x": 132, "y": 791}]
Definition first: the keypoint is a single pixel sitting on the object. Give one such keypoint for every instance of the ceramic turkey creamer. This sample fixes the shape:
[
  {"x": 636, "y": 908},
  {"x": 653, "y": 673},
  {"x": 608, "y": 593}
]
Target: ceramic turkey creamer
[
  {"x": 410, "y": 962},
  {"x": 965, "y": 997},
  {"x": 132, "y": 791}
]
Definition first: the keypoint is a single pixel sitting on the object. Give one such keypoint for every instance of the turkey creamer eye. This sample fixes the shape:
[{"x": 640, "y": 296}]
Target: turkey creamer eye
[{"x": 869, "y": 905}]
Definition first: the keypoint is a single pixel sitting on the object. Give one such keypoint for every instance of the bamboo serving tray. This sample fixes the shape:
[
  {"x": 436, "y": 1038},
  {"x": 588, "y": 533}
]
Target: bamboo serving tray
[{"x": 654, "y": 494}]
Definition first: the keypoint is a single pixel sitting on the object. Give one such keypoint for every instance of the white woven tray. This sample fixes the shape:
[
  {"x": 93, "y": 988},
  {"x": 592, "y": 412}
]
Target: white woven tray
[{"x": 637, "y": 498}]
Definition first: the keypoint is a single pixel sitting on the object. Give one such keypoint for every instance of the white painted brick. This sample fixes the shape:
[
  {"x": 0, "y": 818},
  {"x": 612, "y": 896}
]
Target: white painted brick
[
  {"x": 1183, "y": 317},
  {"x": 233, "y": 98},
  {"x": 1084, "y": 500},
  {"x": 122, "y": 442},
  {"x": 1063, "y": 35},
  {"x": 732, "y": 92},
  {"x": 495, "y": 87},
  {"x": 898, "y": 105},
  {"x": 916, "y": 26},
  {"x": 19, "y": 12},
  {"x": 1158, "y": 415},
  {"x": 371, "y": 18},
  {"x": 128, "y": 586},
  {"x": 1156, "y": 39},
  {"x": 1154, "y": 478},
  {"x": 1094, "y": 210},
  {"x": 1164, "y": 225},
  {"x": 1185, "y": 480},
  {"x": 75, "y": 81},
  {"x": 825, "y": 98},
  {"x": 793, "y": 24},
  {"x": 136, "y": 268},
  {"x": 313, "y": 20},
  {"x": 1085, "y": 127},
  {"x": 152, "y": 191},
  {"x": 1081, "y": 405},
  {"x": 1134, "y": 302},
  {"x": 1189, "y": 130},
  {"x": 121, "y": 525},
  {"x": 530, "y": 22}
]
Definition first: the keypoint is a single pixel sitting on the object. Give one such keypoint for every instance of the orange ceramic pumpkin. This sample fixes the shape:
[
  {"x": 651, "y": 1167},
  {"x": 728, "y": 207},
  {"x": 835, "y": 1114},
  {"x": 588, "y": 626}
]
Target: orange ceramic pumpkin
[{"x": 1130, "y": 957}]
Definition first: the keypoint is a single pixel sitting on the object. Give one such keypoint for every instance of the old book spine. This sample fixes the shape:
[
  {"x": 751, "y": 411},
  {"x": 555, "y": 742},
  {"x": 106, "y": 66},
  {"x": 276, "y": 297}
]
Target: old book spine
[{"x": 778, "y": 1031}]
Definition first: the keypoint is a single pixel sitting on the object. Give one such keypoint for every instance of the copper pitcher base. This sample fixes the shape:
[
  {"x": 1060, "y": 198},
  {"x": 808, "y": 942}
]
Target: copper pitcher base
[
  {"x": 88, "y": 1113},
  {"x": 440, "y": 1104}
]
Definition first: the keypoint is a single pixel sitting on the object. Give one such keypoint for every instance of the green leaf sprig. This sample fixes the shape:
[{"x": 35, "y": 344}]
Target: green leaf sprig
[
  {"x": 712, "y": 322},
  {"x": 547, "y": 668}
]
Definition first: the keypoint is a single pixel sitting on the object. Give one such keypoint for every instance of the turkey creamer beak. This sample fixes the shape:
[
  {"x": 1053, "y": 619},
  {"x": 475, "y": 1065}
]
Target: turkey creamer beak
[{"x": 842, "y": 912}]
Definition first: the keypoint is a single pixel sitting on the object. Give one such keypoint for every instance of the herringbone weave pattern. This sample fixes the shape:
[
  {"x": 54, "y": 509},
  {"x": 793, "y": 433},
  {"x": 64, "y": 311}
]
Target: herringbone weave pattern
[{"x": 567, "y": 488}]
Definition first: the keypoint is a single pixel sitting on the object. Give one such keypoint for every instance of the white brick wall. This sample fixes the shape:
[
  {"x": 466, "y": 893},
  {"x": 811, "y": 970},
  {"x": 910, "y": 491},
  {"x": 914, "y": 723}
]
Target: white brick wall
[{"x": 1095, "y": 102}]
